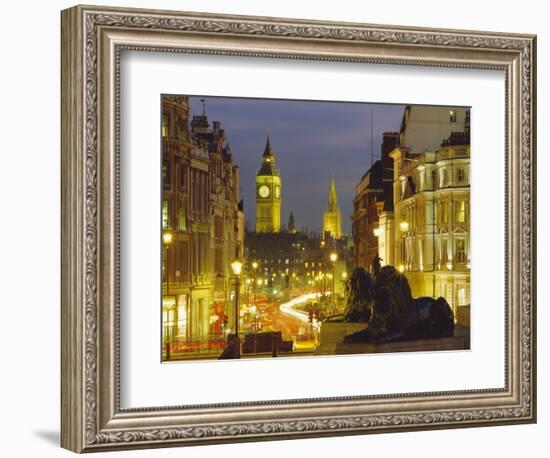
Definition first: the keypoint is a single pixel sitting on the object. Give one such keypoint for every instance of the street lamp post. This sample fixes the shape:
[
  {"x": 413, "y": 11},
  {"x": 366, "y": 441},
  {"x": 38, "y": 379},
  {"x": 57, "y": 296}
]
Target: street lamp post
[
  {"x": 333, "y": 259},
  {"x": 236, "y": 266},
  {"x": 166, "y": 241},
  {"x": 254, "y": 268}
]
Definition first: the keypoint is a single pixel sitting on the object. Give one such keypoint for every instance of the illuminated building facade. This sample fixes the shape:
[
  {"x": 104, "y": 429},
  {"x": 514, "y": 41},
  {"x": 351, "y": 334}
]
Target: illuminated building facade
[
  {"x": 177, "y": 278},
  {"x": 202, "y": 222},
  {"x": 332, "y": 217},
  {"x": 373, "y": 200},
  {"x": 296, "y": 259},
  {"x": 431, "y": 191},
  {"x": 268, "y": 194}
]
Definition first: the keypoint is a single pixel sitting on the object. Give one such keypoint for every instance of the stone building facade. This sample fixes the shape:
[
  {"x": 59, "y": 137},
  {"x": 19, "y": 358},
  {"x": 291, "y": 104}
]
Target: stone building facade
[
  {"x": 373, "y": 201},
  {"x": 431, "y": 192},
  {"x": 202, "y": 223}
]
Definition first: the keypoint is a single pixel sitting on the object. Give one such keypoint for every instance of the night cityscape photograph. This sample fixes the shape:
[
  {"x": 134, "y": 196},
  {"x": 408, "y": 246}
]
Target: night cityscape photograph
[{"x": 313, "y": 228}]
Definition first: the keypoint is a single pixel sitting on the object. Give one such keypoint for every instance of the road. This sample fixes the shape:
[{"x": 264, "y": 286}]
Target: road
[
  {"x": 294, "y": 323},
  {"x": 289, "y": 308}
]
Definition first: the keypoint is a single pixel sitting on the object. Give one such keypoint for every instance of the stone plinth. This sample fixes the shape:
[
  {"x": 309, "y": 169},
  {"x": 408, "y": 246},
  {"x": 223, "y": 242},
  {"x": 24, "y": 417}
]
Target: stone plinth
[
  {"x": 463, "y": 315},
  {"x": 436, "y": 344},
  {"x": 332, "y": 334}
]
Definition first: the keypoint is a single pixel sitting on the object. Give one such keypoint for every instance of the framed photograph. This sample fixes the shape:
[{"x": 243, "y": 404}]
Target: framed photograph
[{"x": 278, "y": 228}]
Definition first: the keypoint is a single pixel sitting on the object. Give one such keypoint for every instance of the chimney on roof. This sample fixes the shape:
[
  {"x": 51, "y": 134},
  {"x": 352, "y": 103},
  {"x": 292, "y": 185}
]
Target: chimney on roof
[{"x": 199, "y": 124}]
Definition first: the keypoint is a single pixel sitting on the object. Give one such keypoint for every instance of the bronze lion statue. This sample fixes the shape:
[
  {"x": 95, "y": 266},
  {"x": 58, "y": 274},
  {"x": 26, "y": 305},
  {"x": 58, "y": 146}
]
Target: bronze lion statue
[{"x": 385, "y": 302}]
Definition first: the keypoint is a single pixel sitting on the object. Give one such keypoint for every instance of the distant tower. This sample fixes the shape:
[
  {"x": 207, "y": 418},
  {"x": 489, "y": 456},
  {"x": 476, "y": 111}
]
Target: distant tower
[
  {"x": 268, "y": 193},
  {"x": 291, "y": 224},
  {"x": 332, "y": 218}
]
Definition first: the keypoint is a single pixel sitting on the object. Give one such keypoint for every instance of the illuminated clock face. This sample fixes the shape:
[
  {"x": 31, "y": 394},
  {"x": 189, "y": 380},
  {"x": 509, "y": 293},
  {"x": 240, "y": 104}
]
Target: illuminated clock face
[
  {"x": 277, "y": 192},
  {"x": 263, "y": 191}
]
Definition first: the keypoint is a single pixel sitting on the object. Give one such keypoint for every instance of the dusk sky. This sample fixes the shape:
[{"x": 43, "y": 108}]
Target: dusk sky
[{"x": 311, "y": 141}]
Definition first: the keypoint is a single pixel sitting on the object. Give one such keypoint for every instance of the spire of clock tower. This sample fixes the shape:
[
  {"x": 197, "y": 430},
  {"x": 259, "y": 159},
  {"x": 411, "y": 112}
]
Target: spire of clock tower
[
  {"x": 268, "y": 167},
  {"x": 268, "y": 151}
]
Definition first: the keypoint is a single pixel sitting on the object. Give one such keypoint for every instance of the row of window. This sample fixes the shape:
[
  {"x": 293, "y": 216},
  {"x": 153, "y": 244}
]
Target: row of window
[
  {"x": 181, "y": 214},
  {"x": 279, "y": 261},
  {"x": 459, "y": 176},
  {"x": 167, "y": 175},
  {"x": 459, "y": 252},
  {"x": 453, "y": 117},
  {"x": 461, "y": 210},
  {"x": 177, "y": 130},
  {"x": 410, "y": 218},
  {"x": 182, "y": 174},
  {"x": 440, "y": 182},
  {"x": 183, "y": 258},
  {"x": 313, "y": 264}
]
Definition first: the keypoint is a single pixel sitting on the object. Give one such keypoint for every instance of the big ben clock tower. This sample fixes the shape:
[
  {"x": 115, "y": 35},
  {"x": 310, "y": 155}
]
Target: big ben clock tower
[{"x": 268, "y": 194}]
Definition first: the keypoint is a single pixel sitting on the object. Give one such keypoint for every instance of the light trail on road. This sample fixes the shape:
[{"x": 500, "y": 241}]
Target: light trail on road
[{"x": 288, "y": 307}]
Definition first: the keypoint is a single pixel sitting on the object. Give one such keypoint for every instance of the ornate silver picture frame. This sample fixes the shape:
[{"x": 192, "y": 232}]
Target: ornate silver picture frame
[{"x": 93, "y": 39}]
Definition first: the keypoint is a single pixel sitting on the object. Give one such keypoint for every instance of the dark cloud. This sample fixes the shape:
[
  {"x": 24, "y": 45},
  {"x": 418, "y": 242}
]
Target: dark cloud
[{"x": 311, "y": 140}]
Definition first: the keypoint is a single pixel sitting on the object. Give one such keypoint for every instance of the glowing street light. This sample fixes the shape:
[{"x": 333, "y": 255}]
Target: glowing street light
[
  {"x": 167, "y": 237},
  {"x": 333, "y": 259},
  {"x": 236, "y": 267},
  {"x": 403, "y": 226}
]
